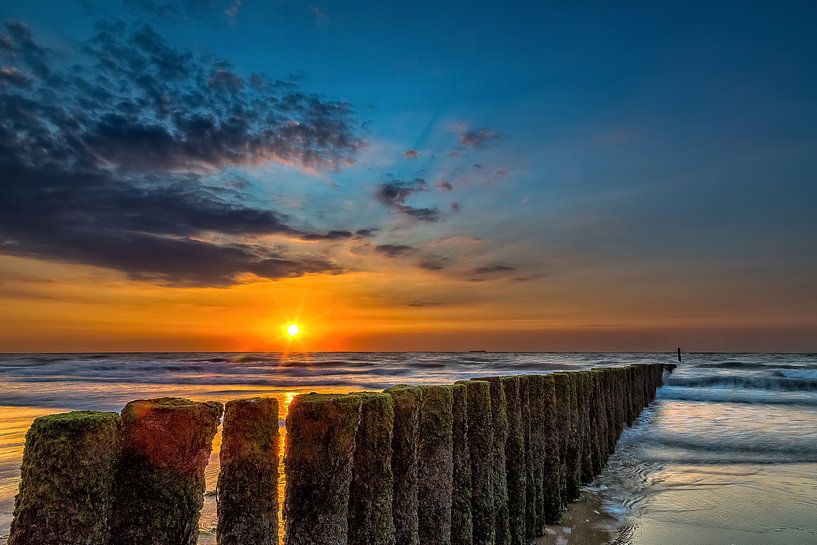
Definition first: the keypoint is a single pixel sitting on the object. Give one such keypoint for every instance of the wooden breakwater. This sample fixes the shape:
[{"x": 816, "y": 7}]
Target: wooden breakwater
[{"x": 488, "y": 461}]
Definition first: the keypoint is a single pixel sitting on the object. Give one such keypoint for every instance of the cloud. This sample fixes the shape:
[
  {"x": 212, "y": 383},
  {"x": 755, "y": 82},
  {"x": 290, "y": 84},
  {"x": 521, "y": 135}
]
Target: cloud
[
  {"x": 480, "y": 274},
  {"x": 433, "y": 263},
  {"x": 478, "y": 138},
  {"x": 411, "y": 154},
  {"x": 108, "y": 162},
  {"x": 394, "y": 250},
  {"x": 232, "y": 11},
  {"x": 394, "y": 194},
  {"x": 445, "y": 185},
  {"x": 331, "y": 235},
  {"x": 493, "y": 269}
]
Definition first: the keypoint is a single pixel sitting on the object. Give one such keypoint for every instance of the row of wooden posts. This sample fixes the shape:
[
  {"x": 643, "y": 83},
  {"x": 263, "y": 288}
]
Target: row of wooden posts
[{"x": 489, "y": 461}]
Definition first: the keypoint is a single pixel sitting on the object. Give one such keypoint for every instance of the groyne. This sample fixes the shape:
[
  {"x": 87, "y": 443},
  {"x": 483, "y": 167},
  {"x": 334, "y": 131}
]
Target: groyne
[{"x": 489, "y": 461}]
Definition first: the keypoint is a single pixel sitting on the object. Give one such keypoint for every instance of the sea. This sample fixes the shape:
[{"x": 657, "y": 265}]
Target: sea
[{"x": 726, "y": 455}]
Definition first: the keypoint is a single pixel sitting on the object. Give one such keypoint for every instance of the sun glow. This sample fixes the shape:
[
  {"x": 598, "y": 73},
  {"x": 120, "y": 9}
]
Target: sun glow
[{"x": 293, "y": 330}]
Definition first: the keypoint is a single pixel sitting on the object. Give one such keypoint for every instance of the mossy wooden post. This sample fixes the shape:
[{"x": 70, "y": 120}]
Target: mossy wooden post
[
  {"x": 530, "y": 389},
  {"x": 598, "y": 420},
  {"x": 166, "y": 444},
  {"x": 318, "y": 462},
  {"x": 436, "y": 467},
  {"x": 248, "y": 479},
  {"x": 67, "y": 478},
  {"x": 620, "y": 400},
  {"x": 462, "y": 529},
  {"x": 611, "y": 396},
  {"x": 480, "y": 444},
  {"x": 499, "y": 415},
  {"x": 406, "y": 401},
  {"x": 578, "y": 444},
  {"x": 564, "y": 433},
  {"x": 516, "y": 468},
  {"x": 632, "y": 401},
  {"x": 370, "y": 515},
  {"x": 551, "y": 494},
  {"x": 584, "y": 435}
]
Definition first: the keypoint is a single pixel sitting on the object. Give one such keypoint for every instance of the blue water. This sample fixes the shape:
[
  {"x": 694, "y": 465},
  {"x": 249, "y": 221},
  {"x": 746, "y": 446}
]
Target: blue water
[{"x": 726, "y": 454}]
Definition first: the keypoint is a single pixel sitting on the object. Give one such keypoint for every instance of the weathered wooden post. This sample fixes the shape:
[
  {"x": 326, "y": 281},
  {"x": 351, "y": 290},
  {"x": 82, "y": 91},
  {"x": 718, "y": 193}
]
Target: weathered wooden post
[
  {"x": 530, "y": 390},
  {"x": 564, "y": 433},
  {"x": 406, "y": 401},
  {"x": 370, "y": 515},
  {"x": 579, "y": 444},
  {"x": 499, "y": 414},
  {"x": 598, "y": 421},
  {"x": 318, "y": 463},
  {"x": 436, "y": 469},
  {"x": 551, "y": 494},
  {"x": 248, "y": 479},
  {"x": 67, "y": 478},
  {"x": 515, "y": 468},
  {"x": 480, "y": 444},
  {"x": 462, "y": 528},
  {"x": 166, "y": 444}
]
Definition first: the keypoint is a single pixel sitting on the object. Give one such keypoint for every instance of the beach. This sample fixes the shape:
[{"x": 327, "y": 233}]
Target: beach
[{"x": 726, "y": 454}]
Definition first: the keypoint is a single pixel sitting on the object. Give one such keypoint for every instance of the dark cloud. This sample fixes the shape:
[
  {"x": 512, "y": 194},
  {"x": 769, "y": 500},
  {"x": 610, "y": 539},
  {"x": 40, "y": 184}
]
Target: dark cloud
[
  {"x": 493, "y": 269},
  {"x": 394, "y": 194},
  {"x": 331, "y": 235},
  {"x": 433, "y": 263},
  {"x": 394, "y": 250},
  {"x": 445, "y": 185},
  {"x": 411, "y": 154},
  {"x": 478, "y": 138},
  {"x": 455, "y": 206},
  {"x": 106, "y": 161},
  {"x": 488, "y": 272}
]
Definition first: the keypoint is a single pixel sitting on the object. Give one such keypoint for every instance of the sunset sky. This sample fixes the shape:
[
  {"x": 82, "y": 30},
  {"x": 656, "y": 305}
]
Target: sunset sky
[{"x": 198, "y": 175}]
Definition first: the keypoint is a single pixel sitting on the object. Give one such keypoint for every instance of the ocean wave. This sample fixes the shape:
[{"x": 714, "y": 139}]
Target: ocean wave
[
  {"x": 727, "y": 395},
  {"x": 777, "y": 380}
]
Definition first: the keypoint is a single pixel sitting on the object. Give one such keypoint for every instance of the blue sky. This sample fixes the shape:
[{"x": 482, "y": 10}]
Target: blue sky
[{"x": 573, "y": 142}]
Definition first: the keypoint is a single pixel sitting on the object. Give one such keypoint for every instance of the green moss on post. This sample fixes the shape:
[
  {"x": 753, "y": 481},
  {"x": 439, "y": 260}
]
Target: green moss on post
[
  {"x": 436, "y": 470},
  {"x": 499, "y": 415},
  {"x": 406, "y": 402},
  {"x": 619, "y": 398},
  {"x": 321, "y": 432},
  {"x": 462, "y": 530},
  {"x": 581, "y": 441},
  {"x": 551, "y": 493},
  {"x": 564, "y": 433},
  {"x": 632, "y": 401},
  {"x": 370, "y": 495},
  {"x": 515, "y": 468},
  {"x": 166, "y": 444},
  {"x": 480, "y": 443},
  {"x": 530, "y": 389},
  {"x": 578, "y": 444},
  {"x": 598, "y": 421},
  {"x": 248, "y": 479},
  {"x": 67, "y": 478}
]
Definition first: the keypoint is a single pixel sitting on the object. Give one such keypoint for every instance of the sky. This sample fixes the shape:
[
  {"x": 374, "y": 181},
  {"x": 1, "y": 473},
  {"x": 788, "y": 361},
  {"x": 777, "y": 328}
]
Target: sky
[{"x": 542, "y": 176}]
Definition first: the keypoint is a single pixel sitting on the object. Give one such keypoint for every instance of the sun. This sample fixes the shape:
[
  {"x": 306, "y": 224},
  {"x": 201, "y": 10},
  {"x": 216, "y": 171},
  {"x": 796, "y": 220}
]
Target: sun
[{"x": 293, "y": 330}]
